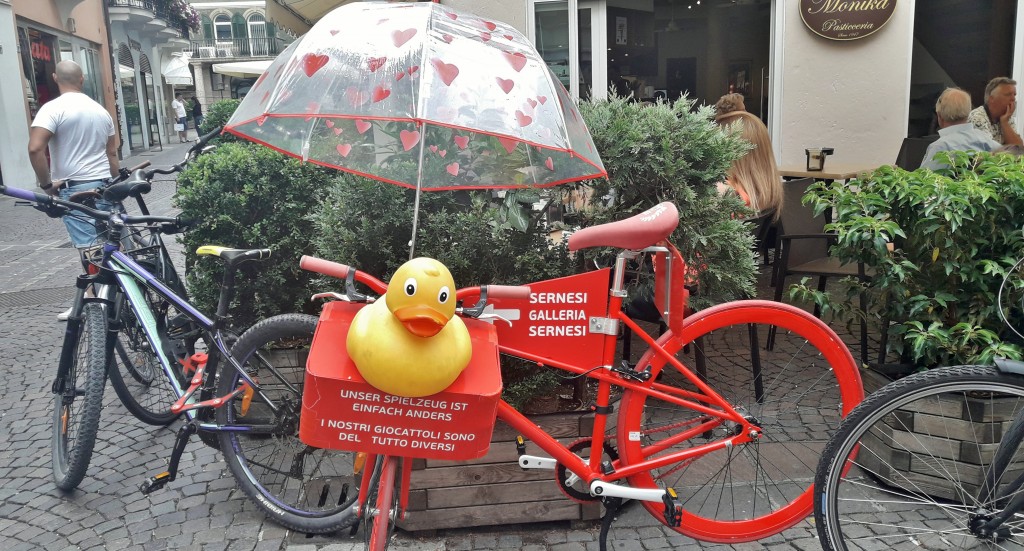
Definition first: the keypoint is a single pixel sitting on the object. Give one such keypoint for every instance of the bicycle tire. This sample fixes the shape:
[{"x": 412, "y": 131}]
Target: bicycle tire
[
  {"x": 808, "y": 382},
  {"x": 918, "y": 502},
  {"x": 76, "y": 411},
  {"x": 322, "y": 497},
  {"x": 378, "y": 528},
  {"x": 136, "y": 375}
]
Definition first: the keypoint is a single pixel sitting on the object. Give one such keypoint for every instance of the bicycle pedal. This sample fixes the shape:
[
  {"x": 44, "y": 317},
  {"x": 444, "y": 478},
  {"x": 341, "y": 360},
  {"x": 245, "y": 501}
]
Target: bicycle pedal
[
  {"x": 520, "y": 446},
  {"x": 155, "y": 483},
  {"x": 673, "y": 508}
]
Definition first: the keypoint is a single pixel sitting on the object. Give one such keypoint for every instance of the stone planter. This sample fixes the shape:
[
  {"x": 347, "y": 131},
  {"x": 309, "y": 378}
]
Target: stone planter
[{"x": 494, "y": 489}]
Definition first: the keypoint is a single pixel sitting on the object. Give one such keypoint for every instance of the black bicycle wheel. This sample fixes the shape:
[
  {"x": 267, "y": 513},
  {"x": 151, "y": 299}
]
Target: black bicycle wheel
[
  {"x": 136, "y": 374},
  {"x": 76, "y": 411},
  {"x": 905, "y": 470},
  {"x": 304, "y": 488}
]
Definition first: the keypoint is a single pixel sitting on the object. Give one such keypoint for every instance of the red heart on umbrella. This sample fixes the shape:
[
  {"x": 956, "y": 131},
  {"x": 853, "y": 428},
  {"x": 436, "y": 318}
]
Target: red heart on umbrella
[
  {"x": 447, "y": 71},
  {"x": 490, "y": 26},
  {"x": 453, "y": 16},
  {"x": 517, "y": 59},
  {"x": 532, "y": 102},
  {"x": 401, "y": 37},
  {"x": 380, "y": 93},
  {"x": 508, "y": 37},
  {"x": 433, "y": 148},
  {"x": 337, "y": 131},
  {"x": 362, "y": 126},
  {"x": 505, "y": 84},
  {"x": 412, "y": 70},
  {"x": 376, "y": 63},
  {"x": 523, "y": 119},
  {"x": 542, "y": 99},
  {"x": 442, "y": 153},
  {"x": 334, "y": 32},
  {"x": 345, "y": 149},
  {"x": 266, "y": 96},
  {"x": 260, "y": 121},
  {"x": 485, "y": 36},
  {"x": 355, "y": 96},
  {"x": 461, "y": 141},
  {"x": 259, "y": 80},
  {"x": 508, "y": 143},
  {"x": 409, "y": 138},
  {"x": 311, "y": 63},
  {"x": 400, "y": 76},
  {"x": 453, "y": 169},
  {"x": 329, "y": 124},
  {"x": 550, "y": 164},
  {"x": 447, "y": 38}
]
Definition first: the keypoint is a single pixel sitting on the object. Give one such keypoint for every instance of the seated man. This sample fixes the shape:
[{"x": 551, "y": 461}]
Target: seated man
[
  {"x": 955, "y": 132},
  {"x": 995, "y": 116}
]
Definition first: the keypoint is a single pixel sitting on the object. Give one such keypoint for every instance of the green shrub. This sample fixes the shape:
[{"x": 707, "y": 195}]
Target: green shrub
[
  {"x": 249, "y": 196},
  {"x": 955, "y": 234},
  {"x": 218, "y": 115},
  {"x": 675, "y": 152}
]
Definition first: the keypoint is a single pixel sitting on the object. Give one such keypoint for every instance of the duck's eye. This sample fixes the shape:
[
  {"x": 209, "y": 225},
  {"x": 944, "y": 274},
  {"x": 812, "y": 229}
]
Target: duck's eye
[
  {"x": 442, "y": 296},
  {"x": 410, "y": 286}
]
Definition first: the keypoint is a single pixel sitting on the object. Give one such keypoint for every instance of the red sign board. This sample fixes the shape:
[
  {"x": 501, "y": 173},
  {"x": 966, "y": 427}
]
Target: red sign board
[
  {"x": 340, "y": 410},
  {"x": 554, "y": 323}
]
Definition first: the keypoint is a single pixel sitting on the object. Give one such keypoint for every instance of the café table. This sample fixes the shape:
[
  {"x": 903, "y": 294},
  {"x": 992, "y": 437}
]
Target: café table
[{"x": 832, "y": 171}]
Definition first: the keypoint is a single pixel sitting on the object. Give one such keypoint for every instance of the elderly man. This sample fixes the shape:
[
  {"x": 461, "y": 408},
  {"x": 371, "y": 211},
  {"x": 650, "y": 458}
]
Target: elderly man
[
  {"x": 955, "y": 132},
  {"x": 995, "y": 115}
]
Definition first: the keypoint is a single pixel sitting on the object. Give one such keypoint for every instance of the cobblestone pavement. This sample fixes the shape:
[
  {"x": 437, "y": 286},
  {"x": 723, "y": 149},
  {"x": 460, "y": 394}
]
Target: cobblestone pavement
[{"x": 203, "y": 509}]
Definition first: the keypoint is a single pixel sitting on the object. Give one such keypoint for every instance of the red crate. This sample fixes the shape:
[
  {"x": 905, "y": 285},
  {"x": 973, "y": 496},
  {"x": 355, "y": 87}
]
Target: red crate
[{"x": 340, "y": 410}]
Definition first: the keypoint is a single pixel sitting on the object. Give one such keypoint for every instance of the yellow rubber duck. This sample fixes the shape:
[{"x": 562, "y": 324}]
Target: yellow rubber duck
[{"x": 409, "y": 342}]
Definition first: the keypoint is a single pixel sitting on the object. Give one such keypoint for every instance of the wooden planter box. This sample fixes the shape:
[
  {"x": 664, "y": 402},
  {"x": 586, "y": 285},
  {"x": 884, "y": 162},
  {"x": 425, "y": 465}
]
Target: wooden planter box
[
  {"x": 971, "y": 429},
  {"x": 494, "y": 489}
]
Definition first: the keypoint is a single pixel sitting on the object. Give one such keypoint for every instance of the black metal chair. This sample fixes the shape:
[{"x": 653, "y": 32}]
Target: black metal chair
[
  {"x": 912, "y": 150},
  {"x": 803, "y": 250}
]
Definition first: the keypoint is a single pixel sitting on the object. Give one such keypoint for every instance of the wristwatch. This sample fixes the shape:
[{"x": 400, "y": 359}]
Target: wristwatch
[{"x": 46, "y": 187}]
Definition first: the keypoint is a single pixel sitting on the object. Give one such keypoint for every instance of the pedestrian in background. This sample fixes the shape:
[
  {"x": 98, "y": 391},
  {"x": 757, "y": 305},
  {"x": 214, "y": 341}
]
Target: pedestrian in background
[
  {"x": 995, "y": 115},
  {"x": 181, "y": 117},
  {"x": 79, "y": 135},
  {"x": 197, "y": 113}
]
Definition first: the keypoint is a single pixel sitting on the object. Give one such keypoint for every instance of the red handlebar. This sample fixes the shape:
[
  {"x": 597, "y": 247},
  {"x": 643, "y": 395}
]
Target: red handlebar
[
  {"x": 508, "y": 291},
  {"x": 326, "y": 267}
]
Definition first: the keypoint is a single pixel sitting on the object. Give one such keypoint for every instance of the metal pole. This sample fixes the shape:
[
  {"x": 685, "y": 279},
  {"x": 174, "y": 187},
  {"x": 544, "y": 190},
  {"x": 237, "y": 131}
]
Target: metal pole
[{"x": 419, "y": 185}]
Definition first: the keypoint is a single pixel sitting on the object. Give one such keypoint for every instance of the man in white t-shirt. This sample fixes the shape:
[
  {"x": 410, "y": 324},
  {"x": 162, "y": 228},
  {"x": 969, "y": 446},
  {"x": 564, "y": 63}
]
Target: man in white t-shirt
[
  {"x": 180, "y": 116},
  {"x": 80, "y": 137}
]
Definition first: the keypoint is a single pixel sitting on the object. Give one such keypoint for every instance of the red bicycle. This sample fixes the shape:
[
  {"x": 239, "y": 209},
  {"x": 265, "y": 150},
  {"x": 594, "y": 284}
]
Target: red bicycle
[{"x": 715, "y": 430}]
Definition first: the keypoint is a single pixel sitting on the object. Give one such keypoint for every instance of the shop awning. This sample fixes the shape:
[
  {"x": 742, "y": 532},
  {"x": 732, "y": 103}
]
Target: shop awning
[
  {"x": 242, "y": 69},
  {"x": 299, "y": 15},
  {"x": 175, "y": 70}
]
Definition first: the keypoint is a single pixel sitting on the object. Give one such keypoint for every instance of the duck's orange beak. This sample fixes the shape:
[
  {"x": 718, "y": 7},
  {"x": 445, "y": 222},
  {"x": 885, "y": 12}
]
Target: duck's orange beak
[{"x": 420, "y": 320}]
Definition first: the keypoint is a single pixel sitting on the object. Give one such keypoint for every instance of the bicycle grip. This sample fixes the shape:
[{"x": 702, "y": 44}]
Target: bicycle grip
[
  {"x": 325, "y": 267},
  {"x": 25, "y": 194},
  {"x": 141, "y": 166},
  {"x": 508, "y": 291}
]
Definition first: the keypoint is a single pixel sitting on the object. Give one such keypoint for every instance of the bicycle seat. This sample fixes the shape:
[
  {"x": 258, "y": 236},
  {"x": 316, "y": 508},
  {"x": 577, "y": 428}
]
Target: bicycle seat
[
  {"x": 233, "y": 257},
  {"x": 637, "y": 232},
  {"x": 121, "y": 191}
]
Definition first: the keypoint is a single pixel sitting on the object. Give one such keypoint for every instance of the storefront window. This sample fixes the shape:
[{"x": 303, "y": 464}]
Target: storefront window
[
  {"x": 90, "y": 70},
  {"x": 38, "y": 61}
]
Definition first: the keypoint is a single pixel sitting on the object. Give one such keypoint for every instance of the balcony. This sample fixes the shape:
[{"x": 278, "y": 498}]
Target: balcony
[
  {"x": 136, "y": 13},
  {"x": 236, "y": 48}
]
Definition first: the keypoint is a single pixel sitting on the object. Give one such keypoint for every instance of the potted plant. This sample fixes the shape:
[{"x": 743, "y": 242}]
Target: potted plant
[{"x": 940, "y": 243}]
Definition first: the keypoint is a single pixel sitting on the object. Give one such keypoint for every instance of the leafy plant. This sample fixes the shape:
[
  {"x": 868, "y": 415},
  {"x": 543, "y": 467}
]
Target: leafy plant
[
  {"x": 218, "y": 115},
  {"x": 249, "y": 196},
  {"x": 941, "y": 244},
  {"x": 675, "y": 152}
]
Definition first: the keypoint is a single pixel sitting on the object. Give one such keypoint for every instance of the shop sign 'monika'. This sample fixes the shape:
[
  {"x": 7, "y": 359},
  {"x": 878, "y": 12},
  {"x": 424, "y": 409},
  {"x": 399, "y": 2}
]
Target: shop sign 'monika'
[{"x": 846, "y": 19}]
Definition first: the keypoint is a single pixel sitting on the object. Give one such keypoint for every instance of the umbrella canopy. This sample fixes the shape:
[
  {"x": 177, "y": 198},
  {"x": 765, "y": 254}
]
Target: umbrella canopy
[{"x": 423, "y": 96}]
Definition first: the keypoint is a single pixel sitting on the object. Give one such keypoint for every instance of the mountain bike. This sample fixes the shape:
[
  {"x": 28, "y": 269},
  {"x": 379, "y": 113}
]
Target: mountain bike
[
  {"x": 930, "y": 461},
  {"x": 298, "y": 486},
  {"x": 715, "y": 432}
]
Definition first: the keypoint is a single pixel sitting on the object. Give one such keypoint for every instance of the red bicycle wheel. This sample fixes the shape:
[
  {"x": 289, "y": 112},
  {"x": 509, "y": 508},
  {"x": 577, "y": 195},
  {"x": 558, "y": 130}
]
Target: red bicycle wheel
[{"x": 797, "y": 391}]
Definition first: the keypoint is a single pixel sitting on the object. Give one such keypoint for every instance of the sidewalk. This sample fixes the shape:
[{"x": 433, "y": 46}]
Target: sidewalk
[{"x": 203, "y": 509}]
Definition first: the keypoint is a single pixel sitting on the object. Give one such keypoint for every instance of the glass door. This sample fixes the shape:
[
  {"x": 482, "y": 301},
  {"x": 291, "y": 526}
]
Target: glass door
[{"x": 571, "y": 46}]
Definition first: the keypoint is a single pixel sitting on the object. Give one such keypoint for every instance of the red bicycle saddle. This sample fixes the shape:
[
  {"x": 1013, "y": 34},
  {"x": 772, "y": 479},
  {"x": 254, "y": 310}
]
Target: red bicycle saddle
[{"x": 637, "y": 232}]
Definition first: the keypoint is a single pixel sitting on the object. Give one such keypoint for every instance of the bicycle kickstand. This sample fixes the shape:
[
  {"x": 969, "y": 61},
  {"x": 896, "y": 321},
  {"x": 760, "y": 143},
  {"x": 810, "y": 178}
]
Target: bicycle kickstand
[
  {"x": 157, "y": 482},
  {"x": 611, "y": 508}
]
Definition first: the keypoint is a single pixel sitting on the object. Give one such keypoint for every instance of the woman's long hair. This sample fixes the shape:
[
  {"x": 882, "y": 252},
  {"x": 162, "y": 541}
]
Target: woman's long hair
[{"x": 755, "y": 172}]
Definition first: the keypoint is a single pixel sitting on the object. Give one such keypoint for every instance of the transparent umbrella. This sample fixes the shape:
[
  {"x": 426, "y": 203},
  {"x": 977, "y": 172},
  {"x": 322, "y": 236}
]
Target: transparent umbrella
[{"x": 423, "y": 96}]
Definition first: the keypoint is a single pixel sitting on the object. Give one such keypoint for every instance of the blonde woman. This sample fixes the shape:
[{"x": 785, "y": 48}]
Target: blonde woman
[{"x": 754, "y": 176}]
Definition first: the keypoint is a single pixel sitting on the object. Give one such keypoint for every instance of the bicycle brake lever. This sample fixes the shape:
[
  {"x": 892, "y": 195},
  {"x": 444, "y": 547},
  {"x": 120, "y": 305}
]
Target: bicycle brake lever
[
  {"x": 486, "y": 317},
  {"x": 339, "y": 296}
]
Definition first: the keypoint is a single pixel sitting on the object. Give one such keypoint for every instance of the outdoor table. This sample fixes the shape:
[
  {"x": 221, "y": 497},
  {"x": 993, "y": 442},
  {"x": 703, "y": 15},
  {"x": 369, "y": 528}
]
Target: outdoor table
[{"x": 832, "y": 172}]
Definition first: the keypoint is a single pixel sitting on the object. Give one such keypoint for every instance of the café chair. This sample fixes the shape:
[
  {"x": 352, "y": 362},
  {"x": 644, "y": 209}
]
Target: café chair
[
  {"x": 803, "y": 250},
  {"x": 912, "y": 150}
]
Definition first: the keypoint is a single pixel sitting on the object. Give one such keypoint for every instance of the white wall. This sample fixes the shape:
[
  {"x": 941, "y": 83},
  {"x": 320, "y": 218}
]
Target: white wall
[
  {"x": 14, "y": 121},
  {"x": 850, "y": 95}
]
